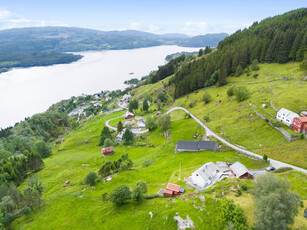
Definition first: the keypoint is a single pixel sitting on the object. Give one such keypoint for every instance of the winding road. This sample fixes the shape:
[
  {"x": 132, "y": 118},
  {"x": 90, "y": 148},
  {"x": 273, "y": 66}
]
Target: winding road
[{"x": 274, "y": 163}]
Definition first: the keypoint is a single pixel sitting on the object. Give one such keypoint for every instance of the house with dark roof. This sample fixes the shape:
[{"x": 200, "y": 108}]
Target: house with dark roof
[
  {"x": 196, "y": 146},
  {"x": 240, "y": 171},
  {"x": 173, "y": 190}
]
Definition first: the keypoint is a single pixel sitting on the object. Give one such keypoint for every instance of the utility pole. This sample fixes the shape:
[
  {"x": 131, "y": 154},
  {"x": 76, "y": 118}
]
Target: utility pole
[{"x": 179, "y": 170}]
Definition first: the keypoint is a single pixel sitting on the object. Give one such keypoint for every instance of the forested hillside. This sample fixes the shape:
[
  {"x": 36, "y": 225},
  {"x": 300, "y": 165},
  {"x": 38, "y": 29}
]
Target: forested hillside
[{"x": 279, "y": 39}]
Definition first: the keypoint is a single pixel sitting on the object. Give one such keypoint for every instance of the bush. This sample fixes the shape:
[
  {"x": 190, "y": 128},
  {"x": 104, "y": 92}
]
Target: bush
[
  {"x": 26, "y": 210},
  {"x": 282, "y": 170},
  {"x": 206, "y": 118},
  {"x": 265, "y": 157},
  {"x": 302, "y": 136},
  {"x": 147, "y": 163},
  {"x": 239, "y": 71},
  {"x": 162, "y": 96},
  {"x": 207, "y": 98},
  {"x": 241, "y": 93},
  {"x": 230, "y": 91},
  {"x": 255, "y": 65},
  {"x": 109, "y": 142},
  {"x": 151, "y": 124},
  {"x": 138, "y": 191},
  {"x": 90, "y": 178},
  {"x": 120, "y": 194},
  {"x": 255, "y": 75},
  {"x": 244, "y": 187}
]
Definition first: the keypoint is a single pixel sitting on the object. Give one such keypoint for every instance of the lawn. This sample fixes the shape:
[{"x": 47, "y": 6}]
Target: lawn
[{"x": 63, "y": 209}]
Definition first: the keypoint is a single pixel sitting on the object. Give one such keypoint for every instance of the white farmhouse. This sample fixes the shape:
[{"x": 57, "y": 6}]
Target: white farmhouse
[
  {"x": 286, "y": 116},
  {"x": 205, "y": 175}
]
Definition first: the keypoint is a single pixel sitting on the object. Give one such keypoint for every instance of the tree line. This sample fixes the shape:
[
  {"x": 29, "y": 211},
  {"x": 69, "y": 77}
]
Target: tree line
[{"x": 279, "y": 39}]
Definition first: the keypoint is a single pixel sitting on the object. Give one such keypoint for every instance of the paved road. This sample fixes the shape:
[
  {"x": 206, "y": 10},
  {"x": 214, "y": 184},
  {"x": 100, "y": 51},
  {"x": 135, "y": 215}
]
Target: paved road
[
  {"x": 134, "y": 131},
  {"x": 274, "y": 163}
]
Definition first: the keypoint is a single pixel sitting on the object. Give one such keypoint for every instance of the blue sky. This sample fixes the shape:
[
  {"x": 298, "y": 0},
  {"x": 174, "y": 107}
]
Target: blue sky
[{"x": 169, "y": 16}]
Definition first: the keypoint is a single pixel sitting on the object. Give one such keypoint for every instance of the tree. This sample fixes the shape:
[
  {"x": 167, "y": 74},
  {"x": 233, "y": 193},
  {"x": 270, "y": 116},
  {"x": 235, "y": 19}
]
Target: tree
[
  {"x": 142, "y": 185},
  {"x": 151, "y": 124},
  {"x": 90, "y": 178},
  {"x": 200, "y": 53},
  {"x": 145, "y": 105},
  {"x": 120, "y": 126},
  {"x": 35, "y": 183},
  {"x": 162, "y": 96},
  {"x": 133, "y": 105},
  {"x": 128, "y": 137},
  {"x": 109, "y": 142},
  {"x": 241, "y": 93},
  {"x": 239, "y": 71},
  {"x": 120, "y": 194},
  {"x": 164, "y": 122},
  {"x": 105, "y": 133},
  {"x": 255, "y": 64},
  {"x": 42, "y": 148},
  {"x": 230, "y": 91},
  {"x": 275, "y": 205},
  {"x": 139, "y": 189},
  {"x": 34, "y": 162},
  {"x": 232, "y": 215},
  {"x": 207, "y": 98}
]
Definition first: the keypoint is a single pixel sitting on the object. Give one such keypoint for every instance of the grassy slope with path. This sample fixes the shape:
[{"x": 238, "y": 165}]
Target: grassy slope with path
[
  {"x": 63, "y": 209},
  {"x": 237, "y": 122}
]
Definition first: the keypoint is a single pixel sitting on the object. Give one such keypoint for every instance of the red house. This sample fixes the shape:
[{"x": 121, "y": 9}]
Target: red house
[
  {"x": 107, "y": 150},
  {"x": 300, "y": 124},
  {"x": 240, "y": 171},
  {"x": 173, "y": 190}
]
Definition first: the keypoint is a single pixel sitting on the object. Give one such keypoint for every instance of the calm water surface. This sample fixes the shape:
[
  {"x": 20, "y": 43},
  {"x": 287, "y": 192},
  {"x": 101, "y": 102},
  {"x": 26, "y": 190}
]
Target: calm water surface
[{"x": 26, "y": 91}]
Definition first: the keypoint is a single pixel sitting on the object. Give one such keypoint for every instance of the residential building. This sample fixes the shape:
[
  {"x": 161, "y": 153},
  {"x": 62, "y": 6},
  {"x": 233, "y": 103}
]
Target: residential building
[
  {"x": 286, "y": 116},
  {"x": 240, "y": 171},
  {"x": 204, "y": 176},
  {"x": 107, "y": 151},
  {"x": 195, "y": 146},
  {"x": 300, "y": 124},
  {"x": 173, "y": 190}
]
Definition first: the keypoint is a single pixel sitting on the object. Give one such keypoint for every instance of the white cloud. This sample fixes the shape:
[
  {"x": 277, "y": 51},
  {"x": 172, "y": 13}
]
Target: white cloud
[
  {"x": 195, "y": 28},
  {"x": 10, "y": 20},
  {"x": 135, "y": 26},
  {"x": 153, "y": 28}
]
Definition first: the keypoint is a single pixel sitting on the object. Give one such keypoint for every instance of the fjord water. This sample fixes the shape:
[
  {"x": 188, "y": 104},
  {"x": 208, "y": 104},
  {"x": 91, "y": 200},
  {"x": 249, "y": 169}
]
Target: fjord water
[{"x": 26, "y": 91}]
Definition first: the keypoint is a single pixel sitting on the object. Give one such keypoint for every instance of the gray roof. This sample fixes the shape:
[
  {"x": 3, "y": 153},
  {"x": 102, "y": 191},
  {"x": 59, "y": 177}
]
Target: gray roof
[
  {"x": 189, "y": 145},
  {"x": 239, "y": 169},
  {"x": 197, "y": 145}
]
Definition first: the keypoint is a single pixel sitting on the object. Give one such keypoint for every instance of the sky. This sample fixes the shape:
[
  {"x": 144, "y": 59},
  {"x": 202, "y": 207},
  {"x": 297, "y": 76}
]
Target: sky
[{"x": 192, "y": 17}]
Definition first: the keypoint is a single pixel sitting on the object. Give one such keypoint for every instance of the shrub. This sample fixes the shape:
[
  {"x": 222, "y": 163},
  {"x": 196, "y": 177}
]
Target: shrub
[
  {"x": 120, "y": 194},
  {"x": 206, "y": 118},
  {"x": 241, "y": 93},
  {"x": 230, "y": 91},
  {"x": 244, "y": 187},
  {"x": 239, "y": 71},
  {"x": 302, "y": 136},
  {"x": 255, "y": 65},
  {"x": 90, "y": 178},
  {"x": 26, "y": 210},
  {"x": 109, "y": 142},
  {"x": 162, "y": 96},
  {"x": 283, "y": 169},
  {"x": 147, "y": 163},
  {"x": 302, "y": 203},
  {"x": 138, "y": 191},
  {"x": 255, "y": 75},
  {"x": 265, "y": 157},
  {"x": 151, "y": 124},
  {"x": 207, "y": 98}
]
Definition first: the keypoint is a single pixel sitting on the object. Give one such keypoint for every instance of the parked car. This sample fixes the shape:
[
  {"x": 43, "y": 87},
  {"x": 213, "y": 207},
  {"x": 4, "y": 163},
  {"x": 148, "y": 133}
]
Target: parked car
[{"x": 270, "y": 168}]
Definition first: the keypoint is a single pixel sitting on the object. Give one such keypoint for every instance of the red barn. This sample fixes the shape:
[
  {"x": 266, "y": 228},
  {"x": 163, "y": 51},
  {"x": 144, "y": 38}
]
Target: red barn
[
  {"x": 173, "y": 190},
  {"x": 107, "y": 150},
  {"x": 240, "y": 171},
  {"x": 300, "y": 125}
]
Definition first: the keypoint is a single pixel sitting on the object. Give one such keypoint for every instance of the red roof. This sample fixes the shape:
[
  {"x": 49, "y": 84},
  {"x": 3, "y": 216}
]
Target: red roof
[
  {"x": 302, "y": 119},
  {"x": 173, "y": 187},
  {"x": 166, "y": 191}
]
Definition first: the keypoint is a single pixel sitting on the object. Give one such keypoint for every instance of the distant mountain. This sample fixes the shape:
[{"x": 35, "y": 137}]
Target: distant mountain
[
  {"x": 208, "y": 39},
  {"x": 64, "y": 39}
]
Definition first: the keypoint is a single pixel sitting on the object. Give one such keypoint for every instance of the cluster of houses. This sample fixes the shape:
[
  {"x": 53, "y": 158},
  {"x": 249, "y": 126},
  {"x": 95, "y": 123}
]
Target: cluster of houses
[
  {"x": 296, "y": 122},
  {"x": 124, "y": 102},
  {"x": 210, "y": 173}
]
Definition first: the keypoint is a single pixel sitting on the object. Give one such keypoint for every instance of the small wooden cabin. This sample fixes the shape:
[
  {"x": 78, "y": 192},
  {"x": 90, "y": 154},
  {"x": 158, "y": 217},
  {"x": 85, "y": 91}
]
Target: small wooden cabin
[{"x": 107, "y": 151}]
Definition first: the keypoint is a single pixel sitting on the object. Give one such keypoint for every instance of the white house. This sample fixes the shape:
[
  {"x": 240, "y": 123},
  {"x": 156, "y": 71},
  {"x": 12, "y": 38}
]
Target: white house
[
  {"x": 205, "y": 175},
  {"x": 119, "y": 136},
  {"x": 76, "y": 112},
  {"x": 286, "y": 116},
  {"x": 126, "y": 97},
  {"x": 141, "y": 123}
]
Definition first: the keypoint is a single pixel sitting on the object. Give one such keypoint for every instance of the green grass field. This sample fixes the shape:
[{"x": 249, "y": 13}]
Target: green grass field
[{"x": 234, "y": 121}]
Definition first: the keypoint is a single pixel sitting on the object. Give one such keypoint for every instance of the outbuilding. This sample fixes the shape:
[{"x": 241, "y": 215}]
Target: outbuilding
[
  {"x": 173, "y": 190},
  {"x": 240, "y": 171},
  {"x": 300, "y": 124},
  {"x": 129, "y": 115},
  {"x": 286, "y": 116},
  {"x": 195, "y": 146},
  {"x": 107, "y": 151}
]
